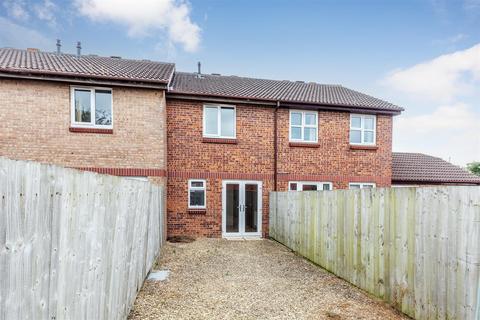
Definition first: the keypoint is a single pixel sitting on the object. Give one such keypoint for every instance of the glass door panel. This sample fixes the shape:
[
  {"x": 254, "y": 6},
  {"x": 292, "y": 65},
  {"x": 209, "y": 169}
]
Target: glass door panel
[
  {"x": 232, "y": 209},
  {"x": 251, "y": 208}
]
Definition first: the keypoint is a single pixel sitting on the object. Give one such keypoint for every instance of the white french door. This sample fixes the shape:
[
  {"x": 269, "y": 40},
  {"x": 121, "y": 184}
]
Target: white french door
[{"x": 242, "y": 208}]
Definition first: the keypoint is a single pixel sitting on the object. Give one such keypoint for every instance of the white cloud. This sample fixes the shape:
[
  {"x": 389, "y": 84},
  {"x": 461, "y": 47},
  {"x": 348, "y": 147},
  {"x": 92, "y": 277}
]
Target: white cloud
[
  {"x": 442, "y": 79},
  {"x": 16, "y": 9},
  {"x": 144, "y": 17},
  {"x": 14, "y": 35},
  {"x": 443, "y": 116},
  {"x": 46, "y": 11},
  {"x": 451, "y": 132}
]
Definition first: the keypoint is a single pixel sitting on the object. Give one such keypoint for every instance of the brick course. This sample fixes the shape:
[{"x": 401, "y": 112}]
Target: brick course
[{"x": 252, "y": 158}]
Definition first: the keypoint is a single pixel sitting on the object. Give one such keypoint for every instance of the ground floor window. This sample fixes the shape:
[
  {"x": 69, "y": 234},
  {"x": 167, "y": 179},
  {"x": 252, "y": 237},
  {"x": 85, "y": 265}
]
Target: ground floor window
[
  {"x": 309, "y": 186},
  {"x": 361, "y": 185},
  {"x": 197, "y": 194}
]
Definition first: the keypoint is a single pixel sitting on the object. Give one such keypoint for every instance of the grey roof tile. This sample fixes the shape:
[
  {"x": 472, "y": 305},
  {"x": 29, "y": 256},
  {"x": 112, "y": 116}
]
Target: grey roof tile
[
  {"x": 276, "y": 90},
  {"x": 85, "y": 66}
]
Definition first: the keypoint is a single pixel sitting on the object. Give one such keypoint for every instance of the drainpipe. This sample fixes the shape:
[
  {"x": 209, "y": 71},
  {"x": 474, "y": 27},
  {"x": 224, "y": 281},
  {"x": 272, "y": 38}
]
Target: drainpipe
[{"x": 275, "y": 148}]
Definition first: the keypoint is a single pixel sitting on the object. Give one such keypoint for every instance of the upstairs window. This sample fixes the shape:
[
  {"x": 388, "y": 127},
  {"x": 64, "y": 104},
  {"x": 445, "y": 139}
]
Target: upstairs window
[
  {"x": 303, "y": 126},
  {"x": 92, "y": 107},
  {"x": 219, "y": 121},
  {"x": 309, "y": 186},
  {"x": 362, "y": 185},
  {"x": 363, "y": 129},
  {"x": 197, "y": 195}
]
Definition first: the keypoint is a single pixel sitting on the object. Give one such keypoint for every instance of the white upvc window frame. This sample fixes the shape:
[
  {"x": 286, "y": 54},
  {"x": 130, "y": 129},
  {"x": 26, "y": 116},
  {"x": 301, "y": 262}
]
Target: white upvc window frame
[
  {"x": 303, "y": 126},
  {"x": 92, "y": 123},
  {"x": 219, "y": 121},
  {"x": 362, "y": 184},
  {"x": 319, "y": 185},
  {"x": 363, "y": 130},
  {"x": 204, "y": 188}
]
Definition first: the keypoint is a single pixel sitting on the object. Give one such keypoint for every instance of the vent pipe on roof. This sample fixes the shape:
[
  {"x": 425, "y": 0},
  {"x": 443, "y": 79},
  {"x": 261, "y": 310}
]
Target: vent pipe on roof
[
  {"x": 59, "y": 45},
  {"x": 79, "y": 49}
]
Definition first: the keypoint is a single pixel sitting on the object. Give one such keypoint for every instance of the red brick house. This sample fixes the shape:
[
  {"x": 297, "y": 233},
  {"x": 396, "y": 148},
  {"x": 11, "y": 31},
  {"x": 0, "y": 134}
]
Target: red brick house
[{"x": 221, "y": 143}]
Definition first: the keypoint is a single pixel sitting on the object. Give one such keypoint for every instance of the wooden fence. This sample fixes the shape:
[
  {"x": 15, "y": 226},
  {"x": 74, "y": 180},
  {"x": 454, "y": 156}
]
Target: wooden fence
[
  {"x": 74, "y": 245},
  {"x": 416, "y": 248}
]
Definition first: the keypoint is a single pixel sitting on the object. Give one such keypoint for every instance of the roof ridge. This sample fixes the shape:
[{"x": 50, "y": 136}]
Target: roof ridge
[
  {"x": 87, "y": 55},
  {"x": 218, "y": 75}
]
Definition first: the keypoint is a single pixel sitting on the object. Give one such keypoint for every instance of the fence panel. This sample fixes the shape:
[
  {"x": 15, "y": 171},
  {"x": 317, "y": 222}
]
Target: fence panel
[
  {"x": 74, "y": 245},
  {"x": 416, "y": 248}
]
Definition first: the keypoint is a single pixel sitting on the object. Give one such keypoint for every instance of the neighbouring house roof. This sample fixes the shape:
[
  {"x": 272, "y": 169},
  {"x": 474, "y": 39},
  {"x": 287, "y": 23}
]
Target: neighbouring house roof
[
  {"x": 422, "y": 168},
  {"x": 276, "y": 90},
  {"x": 39, "y": 63}
]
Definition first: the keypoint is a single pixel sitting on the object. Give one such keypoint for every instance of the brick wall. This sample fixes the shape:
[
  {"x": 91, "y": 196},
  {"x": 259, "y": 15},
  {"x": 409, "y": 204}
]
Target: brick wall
[
  {"x": 334, "y": 160},
  {"x": 190, "y": 157},
  {"x": 251, "y": 158},
  {"x": 35, "y": 122}
]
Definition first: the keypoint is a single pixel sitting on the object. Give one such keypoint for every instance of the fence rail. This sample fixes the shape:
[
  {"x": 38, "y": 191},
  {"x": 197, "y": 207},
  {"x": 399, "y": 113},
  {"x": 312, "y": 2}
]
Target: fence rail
[
  {"x": 416, "y": 248},
  {"x": 74, "y": 245}
]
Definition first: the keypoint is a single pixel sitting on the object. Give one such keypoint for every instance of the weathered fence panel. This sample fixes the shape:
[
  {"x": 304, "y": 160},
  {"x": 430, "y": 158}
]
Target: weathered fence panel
[
  {"x": 416, "y": 248},
  {"x": 74, "y": 245}
]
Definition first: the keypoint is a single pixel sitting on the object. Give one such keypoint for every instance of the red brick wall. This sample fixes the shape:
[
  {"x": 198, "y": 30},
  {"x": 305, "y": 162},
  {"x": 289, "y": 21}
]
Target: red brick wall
[
  {"x": 251, "y": 158},
  {"x": 334, "y": 160},
  {"x": 35, "y": 122}
]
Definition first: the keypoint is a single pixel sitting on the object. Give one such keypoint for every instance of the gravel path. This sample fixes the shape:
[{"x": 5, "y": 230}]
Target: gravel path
[{"x": 257, "y": 279}]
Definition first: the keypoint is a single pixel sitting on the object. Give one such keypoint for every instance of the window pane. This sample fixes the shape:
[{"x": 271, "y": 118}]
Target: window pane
[
  {"x": 211, "y": 120},
  {"x": 310, "y": 119},
  {"x": 296, "y": 133},
  {"x": 310, "y": 134},
  {"x": 82, "y": 106},
  {"x": 355, "y": 136},
  {"x": 367, "y": 186},
  {"x": 326, "y": 186},
  {"x": 368, "y": 136},
  {"x": 354, "y": 186},
  {"x": 309, "y": 187},
  {"x": 293, "y": 186},
  {"x": 296, "y": 119},
  {"x": 197, "y": 198},
  {"x": 355, "y": 122},
  {"x": 196, "y": 184},
  {"x": 368, "y": 123},
  {"x": 228, "y": 122},
  {"x": 103, "y": 107}
]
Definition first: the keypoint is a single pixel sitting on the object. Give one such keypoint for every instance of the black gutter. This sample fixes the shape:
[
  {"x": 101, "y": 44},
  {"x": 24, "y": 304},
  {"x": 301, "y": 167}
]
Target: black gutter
[
  {"x": 270, "y": 103},
  {"x": 86, "y": 81}
]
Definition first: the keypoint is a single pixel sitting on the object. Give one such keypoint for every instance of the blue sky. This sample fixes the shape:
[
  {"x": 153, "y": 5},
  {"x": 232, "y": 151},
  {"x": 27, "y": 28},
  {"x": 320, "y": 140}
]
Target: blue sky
[{"x": 423, "y": 55}]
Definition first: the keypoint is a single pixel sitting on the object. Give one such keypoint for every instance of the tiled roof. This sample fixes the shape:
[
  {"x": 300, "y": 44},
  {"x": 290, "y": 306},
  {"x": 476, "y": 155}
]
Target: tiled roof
[
  {"x": 86, "y": 66},
  {"x": 417, "y": 167},
  {"x": 275, "y": 90}
]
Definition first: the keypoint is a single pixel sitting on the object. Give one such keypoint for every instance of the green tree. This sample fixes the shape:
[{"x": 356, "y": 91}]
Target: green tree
[{"x": 474, "y": 168}]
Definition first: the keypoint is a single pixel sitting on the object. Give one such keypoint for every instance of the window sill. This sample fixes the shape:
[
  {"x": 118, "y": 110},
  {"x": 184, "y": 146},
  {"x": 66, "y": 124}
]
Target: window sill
[
  {"x": 304, "y": 144},
  {"x": 360, "y": 147},
  {"x": 197, "y": 211},
  {"x": 91, "y": 130},
  {"x": 219, "y": 140}
]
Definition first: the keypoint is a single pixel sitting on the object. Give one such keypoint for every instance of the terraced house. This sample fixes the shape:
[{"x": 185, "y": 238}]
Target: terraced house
[{"x": 219, "y": 144}]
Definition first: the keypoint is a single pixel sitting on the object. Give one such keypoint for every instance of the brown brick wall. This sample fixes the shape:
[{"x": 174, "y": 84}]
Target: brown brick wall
[
  {"x": 35, "y": 122},
  {"x": 251, "y": 158}
]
